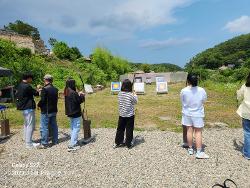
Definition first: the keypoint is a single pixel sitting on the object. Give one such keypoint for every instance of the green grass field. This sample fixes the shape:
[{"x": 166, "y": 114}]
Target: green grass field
[{"x": 153, "y": 111}]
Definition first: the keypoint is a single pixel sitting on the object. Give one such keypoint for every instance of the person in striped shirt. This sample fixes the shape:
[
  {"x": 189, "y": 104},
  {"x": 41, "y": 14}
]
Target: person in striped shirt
[{"x": 127, "y": 100}]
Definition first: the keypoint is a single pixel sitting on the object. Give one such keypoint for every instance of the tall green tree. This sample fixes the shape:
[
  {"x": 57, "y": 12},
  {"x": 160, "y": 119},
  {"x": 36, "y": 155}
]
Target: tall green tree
[
  {"x": 63, "y": 51},
  {"x": 112, "y": 66},
  {"x": 75, "y": 53},
  {"x": 145, "y": 68},
  {"x": 52, "y": 41},
  {"x": 24, "y": 29}
]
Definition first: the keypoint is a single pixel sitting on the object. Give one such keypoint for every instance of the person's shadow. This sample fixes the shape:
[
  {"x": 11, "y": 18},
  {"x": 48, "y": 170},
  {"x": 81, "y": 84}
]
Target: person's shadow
[
  {"x": 65, "y": 138},
  {"x": 238, "y": 146},
  {"x": 138, "y": 140},
  {"x": 4, "y": 139},
  {"x": 83, "y": 142},
  {"x": 62, "y": 139}
]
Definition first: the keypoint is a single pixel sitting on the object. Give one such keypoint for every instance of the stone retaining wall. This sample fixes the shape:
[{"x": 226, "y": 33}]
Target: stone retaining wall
[{"x": 24, "y": 41}]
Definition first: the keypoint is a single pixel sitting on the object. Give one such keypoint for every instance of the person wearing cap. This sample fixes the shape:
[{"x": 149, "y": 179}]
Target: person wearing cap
[
  {"x": 25, "y": 102},
  {"x": 48, "y": 106},
  {"x": 193, "y": 99}
]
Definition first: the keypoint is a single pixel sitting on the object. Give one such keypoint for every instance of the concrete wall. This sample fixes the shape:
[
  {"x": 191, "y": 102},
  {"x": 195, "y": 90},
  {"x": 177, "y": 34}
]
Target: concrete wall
[{"x": 169, "y": 76}]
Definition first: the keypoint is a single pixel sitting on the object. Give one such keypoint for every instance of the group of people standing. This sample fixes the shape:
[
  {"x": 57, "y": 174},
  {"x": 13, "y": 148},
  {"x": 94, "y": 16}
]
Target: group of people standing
[
  {"x": 48, "y": 105},
  {"x": 192, "y": 98}
]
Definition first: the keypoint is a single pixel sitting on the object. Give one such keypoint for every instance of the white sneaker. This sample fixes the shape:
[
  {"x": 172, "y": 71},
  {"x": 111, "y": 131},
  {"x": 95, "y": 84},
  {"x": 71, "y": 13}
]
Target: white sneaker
[
  {"x": 201, "y": 155},
  {"x": 115, "y": 146},
  {"x": 33, "y": 146},
  {"x": 73, "y": 148},
  {"x": 190, "y": 151}
]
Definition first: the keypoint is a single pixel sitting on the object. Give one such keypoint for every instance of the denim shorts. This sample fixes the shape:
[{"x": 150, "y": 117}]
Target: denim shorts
[{"x": 197, "y": 122}]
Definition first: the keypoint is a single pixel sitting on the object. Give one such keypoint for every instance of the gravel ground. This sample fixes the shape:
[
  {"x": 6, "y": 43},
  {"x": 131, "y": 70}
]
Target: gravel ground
[{"x": 157, "y": 160}]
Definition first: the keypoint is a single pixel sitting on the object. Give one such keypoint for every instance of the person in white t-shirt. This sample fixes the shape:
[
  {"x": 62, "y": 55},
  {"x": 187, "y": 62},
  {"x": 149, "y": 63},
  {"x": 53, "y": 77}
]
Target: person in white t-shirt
[{"x": 193, "y": 98}]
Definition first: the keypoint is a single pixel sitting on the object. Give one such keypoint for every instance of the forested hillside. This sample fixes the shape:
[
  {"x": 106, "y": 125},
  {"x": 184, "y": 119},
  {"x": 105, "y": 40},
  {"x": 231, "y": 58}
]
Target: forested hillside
[
  {"x": 162, "y": 67},
  {"x": 235, "y": 51}
]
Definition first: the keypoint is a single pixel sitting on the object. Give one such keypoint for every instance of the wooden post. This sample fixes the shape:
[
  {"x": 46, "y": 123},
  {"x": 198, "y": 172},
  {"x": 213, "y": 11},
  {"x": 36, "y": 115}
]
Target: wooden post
[
  {"x": 5, "y": 127},
  {"x": 87, "y": 129}
]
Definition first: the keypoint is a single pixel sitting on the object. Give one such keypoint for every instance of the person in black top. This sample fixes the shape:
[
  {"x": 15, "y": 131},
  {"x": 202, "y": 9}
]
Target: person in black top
[
  {"x": 48, "y": 106},
  {"x": 25, "y": 102},
  {"x": 73, "y": 101}
]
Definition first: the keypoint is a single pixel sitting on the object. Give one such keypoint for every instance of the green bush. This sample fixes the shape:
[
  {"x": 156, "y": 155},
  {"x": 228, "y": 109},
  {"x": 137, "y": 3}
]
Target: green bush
[
  {"x": 227, "y": 72},
  {"x": 104, "y": 67},
  {"x": 62, "y": 51},
  {"x": 220, "y": 87},
  {"x": 20, "y": 60},
  {"x": 111, "y": 66},
  {"x": 240, "y": 74},
  {"x": 24, "y": 52},
  {"x": 247, "y": 64},
  {"x": 203, "y": 74},
  {"x": 218, "y": 78}
]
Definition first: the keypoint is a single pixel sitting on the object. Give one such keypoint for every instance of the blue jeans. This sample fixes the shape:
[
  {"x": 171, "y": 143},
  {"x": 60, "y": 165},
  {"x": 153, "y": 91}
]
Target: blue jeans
[
  {"x": 29, "y": 126},
  {"x": 75, "y": 124},
  {"x": 48, "y": 120},
  {"x": 246, "y": 130}
]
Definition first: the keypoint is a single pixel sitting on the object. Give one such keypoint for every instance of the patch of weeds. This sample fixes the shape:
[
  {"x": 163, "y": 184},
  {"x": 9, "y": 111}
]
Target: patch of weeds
[
  {"x": 139, "y": 129},
  {"x": 108, "y": 124},
  {"x": 177, "y": 129}
]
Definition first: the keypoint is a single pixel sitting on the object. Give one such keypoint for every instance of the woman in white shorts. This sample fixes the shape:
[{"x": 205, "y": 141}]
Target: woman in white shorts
[{"x": 193, "y": 98}]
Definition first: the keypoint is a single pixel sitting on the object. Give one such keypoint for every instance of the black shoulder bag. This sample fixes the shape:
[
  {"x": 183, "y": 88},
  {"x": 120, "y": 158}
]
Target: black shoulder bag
[{"x": 86, "y": 122}]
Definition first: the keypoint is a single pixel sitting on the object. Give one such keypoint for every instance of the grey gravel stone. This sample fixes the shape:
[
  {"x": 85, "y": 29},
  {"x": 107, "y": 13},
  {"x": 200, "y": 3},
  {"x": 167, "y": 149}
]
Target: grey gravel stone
[{"x": 157, "y": 160}]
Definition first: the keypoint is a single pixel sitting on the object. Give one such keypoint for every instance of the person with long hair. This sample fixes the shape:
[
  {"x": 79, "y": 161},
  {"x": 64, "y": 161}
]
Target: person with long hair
[
  {"x": 127, "y": 100},
  {"x": 193, "y": 99},
  {"x": 73, "y": 100},
  {"x": 243, "y": 95}
]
